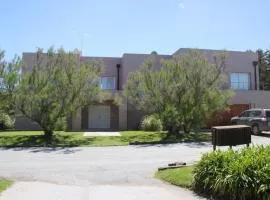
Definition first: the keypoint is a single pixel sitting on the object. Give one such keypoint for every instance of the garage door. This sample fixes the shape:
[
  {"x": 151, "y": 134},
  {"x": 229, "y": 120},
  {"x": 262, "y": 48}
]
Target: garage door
[{"x": 99, "y": 117}]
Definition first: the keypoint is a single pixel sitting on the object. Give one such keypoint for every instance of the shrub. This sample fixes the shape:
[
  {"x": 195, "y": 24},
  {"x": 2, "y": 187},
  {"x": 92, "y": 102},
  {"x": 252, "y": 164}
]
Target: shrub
[
  {"x": 170, "y": 119},
  {"x": 61, "y": 124},
  {"x": 151, "y": 123},
  {"x": 5, "y": 121},
  {"x": 242, "y": 174}
]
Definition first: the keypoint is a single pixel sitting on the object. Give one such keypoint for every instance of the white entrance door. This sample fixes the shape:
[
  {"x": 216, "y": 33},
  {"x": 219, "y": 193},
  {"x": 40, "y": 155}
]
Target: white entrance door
[{"x": 99, "y": 116}]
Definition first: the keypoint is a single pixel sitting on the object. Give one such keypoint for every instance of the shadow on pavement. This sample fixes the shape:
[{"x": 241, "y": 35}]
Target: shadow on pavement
[
  {"x": 60, "y": 150},
  {"x": 264, "y": 134},
  {"x": 187, "y": 144}
]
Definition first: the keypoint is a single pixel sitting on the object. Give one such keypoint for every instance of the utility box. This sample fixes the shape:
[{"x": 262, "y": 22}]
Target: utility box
[{"x": 231, "y": 135}]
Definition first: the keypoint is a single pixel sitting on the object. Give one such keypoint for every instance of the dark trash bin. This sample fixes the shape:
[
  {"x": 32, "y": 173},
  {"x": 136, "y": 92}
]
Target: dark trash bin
[{"x": 231, "y": 135}]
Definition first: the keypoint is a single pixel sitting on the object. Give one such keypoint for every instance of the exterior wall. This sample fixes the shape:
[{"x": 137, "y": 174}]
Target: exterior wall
[
  {"x": 256, "y": 98},
  {"x": 123, "y": 115},
  {"x": 84, "y": 121},
  {"x": 82, "y": 117},
  {"x": 110, "y": 68},
  {"x": 236, "y": 62},
  {"x": 77, "y": 121},
  {"x": 114, "y": 123},
  {"x": 134, "y": 117},
  {"x": 126, "y": 116},
  {"x": 132, "y": 62},
  {"x": 29, "y": 60}
]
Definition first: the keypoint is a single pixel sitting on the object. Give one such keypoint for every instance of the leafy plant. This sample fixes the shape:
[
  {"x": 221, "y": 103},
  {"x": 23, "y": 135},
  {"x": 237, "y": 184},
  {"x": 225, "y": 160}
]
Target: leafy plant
[
  {"x": 242, "y": 174},
  {"x": 6, "y": 122},
  {"x": 151, "y": 123},
  {"x": 57, "y": 85},
  {"x": 183, "y": 91},
  {"x": 9, "y": 80}
]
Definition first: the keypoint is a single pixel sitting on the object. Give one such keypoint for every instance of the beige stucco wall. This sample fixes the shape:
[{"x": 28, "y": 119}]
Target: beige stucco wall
[
  {"x": 110, "y": 68},
  {"x": 237, "y": 61},
  {"x": 132, "y": 62},
  {"x": 123, "y": 115},
  {"x": 129, "y": 116},
  {"x": 77, "y": 121},
  {"x": 257, "y": 99}
]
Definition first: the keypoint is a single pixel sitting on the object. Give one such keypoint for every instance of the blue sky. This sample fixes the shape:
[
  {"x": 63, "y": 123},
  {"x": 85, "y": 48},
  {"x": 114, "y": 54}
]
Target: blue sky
[{"x": 111, "y": 28}]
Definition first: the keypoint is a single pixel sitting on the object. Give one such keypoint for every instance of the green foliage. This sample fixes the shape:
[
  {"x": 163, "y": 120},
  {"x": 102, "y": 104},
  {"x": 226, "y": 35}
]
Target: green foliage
[
  {"x": 67, "y": 139},
  {"x": 4, "y": 184},
  {"x": 58, "y": 84},
  {"x": 184, "y": 91},
  {"x": 9, "y": 80},
  {"x": 264, "y": 69},
  {"x": 182, "y": 177},
  {"x": 170, "y": 117},
  {"x": 61, "y": 124},
  {"x": 6, "y": 122},
  {"x": 241, "y": 174},
  {"x": 151, "y": 123}
]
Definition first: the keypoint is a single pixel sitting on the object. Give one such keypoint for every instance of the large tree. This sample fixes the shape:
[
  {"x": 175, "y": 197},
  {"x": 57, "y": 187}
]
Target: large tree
[
  {"x": 9, "y": 81},
  {"x": 264, "y": 69},
  {"x": 57, "y": 86},
  {"x": 184, "y": 92}
]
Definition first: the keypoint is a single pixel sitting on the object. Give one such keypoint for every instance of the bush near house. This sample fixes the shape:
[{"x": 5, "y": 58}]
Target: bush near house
[
  {"x": 151, "y": 123},
  {"x": 183, "y": 92},
  {"x": 241, "y": 174},
  {"x": 5, "y": 121}
]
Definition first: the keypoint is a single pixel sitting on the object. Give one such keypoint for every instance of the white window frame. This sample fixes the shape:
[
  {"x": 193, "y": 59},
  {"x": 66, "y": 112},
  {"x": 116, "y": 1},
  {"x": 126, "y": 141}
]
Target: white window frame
[
  {"x": 237, "y": 84},
  {"x": 105, "y": 86}
]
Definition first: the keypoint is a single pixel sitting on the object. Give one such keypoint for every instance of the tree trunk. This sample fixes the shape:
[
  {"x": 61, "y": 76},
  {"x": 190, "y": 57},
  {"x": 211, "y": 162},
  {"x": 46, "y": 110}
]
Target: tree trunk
[
  {"x": 48, "y": 136},
  {"x": 186, "y": 128},
  {"x": 174, "y": 130}
]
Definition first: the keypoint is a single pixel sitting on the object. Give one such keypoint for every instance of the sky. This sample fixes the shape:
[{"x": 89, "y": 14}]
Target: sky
[{"x": 111, "y": 28}]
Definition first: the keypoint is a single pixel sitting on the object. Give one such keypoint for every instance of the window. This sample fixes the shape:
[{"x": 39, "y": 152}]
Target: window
[
  {"x": 107, "y": 83},
  {"x": 252, "y": 113},
  {"x": 267, "y": 114},
  {"x": 244, "y": 114},
  {"x": 240, "y": 81},
  {"x": 255, "y": 113}
]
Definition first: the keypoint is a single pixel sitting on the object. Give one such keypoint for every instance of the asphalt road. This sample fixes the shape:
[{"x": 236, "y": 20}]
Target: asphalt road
[
  {"x": 98, "y": 170},
  {"x": 97, "y": 165}
]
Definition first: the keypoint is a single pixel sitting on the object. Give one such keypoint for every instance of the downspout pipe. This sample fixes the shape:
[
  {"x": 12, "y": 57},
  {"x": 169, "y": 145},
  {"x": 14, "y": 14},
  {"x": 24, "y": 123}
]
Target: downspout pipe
[
  {"x": 118, "y": 66},
  {"x": 255, "y": 64}
]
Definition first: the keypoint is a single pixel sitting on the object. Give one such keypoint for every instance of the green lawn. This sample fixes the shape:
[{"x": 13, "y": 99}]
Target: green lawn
[
  {"x": 69, "y": 139},
  {"x": 182, "y": 177},
  {"x": 4, "y": 184}
]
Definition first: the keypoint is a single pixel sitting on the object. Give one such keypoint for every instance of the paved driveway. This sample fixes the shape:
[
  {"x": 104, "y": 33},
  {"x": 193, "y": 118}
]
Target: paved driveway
[
  {"x": 124, "y": 167},
  {"x": 97, "y": 165}
]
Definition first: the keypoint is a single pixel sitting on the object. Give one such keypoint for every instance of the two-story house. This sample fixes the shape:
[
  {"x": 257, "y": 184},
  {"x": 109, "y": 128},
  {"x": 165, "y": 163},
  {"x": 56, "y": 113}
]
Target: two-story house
[{"x": 243, "y": 77}]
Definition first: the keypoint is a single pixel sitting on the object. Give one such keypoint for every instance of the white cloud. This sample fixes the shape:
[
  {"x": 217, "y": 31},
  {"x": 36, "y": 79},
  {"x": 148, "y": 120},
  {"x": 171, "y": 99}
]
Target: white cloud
[{"x": 181, "y": 6}]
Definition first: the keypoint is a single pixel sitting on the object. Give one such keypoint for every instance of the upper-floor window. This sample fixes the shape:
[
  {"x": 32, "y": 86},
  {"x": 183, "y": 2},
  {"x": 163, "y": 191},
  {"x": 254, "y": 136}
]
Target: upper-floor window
[
  {"x": 107, "y": 83},
  {"x": 240, "y": 81}
]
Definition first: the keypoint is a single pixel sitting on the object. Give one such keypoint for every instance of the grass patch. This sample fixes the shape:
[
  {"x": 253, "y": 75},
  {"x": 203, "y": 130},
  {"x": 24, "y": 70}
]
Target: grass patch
[
  {"x": 4, "y": 184},
  {"x": 182, "y": 177},
  {"x": 73, "y": 139}
]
